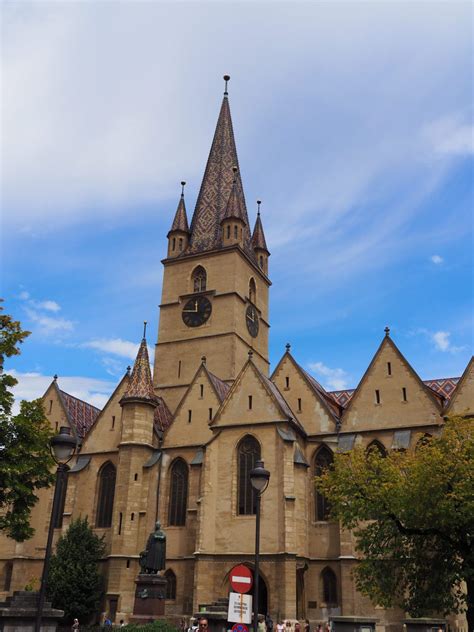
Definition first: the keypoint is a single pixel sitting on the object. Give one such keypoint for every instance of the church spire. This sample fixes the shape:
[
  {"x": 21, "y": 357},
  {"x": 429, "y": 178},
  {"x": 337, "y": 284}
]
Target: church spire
[
  {"x": 178, "y": 235},
  {"x": 141, "y": 385},
  {"x": 216, "y": 187},
  {"x": 259, "y": 243}
]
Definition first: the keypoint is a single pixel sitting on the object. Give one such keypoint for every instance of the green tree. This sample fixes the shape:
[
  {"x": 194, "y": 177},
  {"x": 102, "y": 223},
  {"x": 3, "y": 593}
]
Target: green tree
[
  {"x": 75, "y": 584},
  {"x": 25, "y": 459},
  {"x": 412, "y": 513}
]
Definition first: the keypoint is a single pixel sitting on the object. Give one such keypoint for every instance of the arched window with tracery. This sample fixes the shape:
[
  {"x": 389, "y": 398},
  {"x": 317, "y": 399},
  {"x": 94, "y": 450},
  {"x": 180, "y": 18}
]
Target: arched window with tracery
[
  {"x": 170, "y": 584},
  {"x": 178, "y": 493},
  {"x": 62, "y": 491},
  {"x": 105, "y": 499},
  {"x": 376, "y": 445},
  {"x": 329, "y": 587},
  {"x": 322, "y": 461},
  {"x": 199, "y": 279},
  {"x": 248, "y": 453},
  {"x": 252, "y": 291}
]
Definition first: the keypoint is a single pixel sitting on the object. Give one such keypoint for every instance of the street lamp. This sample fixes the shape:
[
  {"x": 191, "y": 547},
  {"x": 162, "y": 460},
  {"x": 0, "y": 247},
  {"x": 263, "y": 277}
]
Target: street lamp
[
  {"x": 63, "y": 447},
  {"x": 259, "y": 478}
]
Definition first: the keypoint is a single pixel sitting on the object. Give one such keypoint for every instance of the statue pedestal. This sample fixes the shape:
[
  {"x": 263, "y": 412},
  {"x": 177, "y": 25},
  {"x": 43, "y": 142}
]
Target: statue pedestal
[{"x": 150, "y": 596}]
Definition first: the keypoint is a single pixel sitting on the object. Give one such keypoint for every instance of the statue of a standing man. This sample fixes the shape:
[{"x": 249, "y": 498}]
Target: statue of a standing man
[{"x": 153, "y": 559}]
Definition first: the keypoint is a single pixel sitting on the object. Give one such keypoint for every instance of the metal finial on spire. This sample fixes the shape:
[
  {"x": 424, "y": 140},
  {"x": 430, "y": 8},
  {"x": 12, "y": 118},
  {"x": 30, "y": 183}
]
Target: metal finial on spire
[
  {"x": 288, "y": 347},
  {"x": 129, "y": 368},
  {"x": 226, "y": 79},
  {"x": 250, "y": 354},
  {"x": 258, "y": 207},
  {"x": 387, "y": 331},
  {"x": 55, "y": 377},
  {"x": 182, "y": 188},
  {"x": 203, "y": 360},
  {"x": 144, "y": 329}
]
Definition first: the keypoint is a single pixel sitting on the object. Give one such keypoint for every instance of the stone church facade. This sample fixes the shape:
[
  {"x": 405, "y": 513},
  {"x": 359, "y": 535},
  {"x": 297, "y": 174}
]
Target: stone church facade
[{"x": 178, "y": 446}]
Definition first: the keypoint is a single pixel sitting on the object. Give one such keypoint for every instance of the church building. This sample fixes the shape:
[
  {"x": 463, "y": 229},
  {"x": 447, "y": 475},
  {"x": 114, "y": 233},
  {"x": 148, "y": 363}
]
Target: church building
[{"x": 178, "y": 444}]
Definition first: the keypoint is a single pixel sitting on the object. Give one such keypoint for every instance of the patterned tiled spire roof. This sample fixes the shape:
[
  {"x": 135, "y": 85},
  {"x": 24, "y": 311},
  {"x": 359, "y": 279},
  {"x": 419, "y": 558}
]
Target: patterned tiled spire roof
[
  {"x": 258, "y": 237},
  {"x": 216, "y": 187},
  {"x": 141, "y": 385},
  {"x": 180, "y": 221},
  {"x": 235, "y": 208}
]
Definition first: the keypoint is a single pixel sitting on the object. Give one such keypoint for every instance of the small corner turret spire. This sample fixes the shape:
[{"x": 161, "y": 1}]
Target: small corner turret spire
[
  {"x": 144, "y": 329},
  {"x": 141, "y": 384},
  {"x": 226, "y": 79},
  {"x": 178, "y": 236}
]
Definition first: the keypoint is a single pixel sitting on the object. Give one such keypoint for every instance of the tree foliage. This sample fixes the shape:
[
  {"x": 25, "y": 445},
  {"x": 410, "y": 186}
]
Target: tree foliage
[
  {"x": 75, "y": 584},
  {"x": 412, "y": 513},
  {"x": 25, "y": 459}
]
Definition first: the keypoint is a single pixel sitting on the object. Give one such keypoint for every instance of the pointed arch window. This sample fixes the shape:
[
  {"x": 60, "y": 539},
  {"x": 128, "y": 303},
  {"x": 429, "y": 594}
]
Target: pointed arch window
[
  {"x": 62, "y": 492},
  {"x": 252, "y": 291},
  {"x": 329, "y": 587},
  {"x": 322, "y": 461},
  {"x": 376, "y": 445},
  {"x": 105, "y": 499},
  {"x": 248, "y": 453},
  {"x": 178, "y": 493},
  {"x": 170, "y": 584},
  {"x": 199, "y": 279}
]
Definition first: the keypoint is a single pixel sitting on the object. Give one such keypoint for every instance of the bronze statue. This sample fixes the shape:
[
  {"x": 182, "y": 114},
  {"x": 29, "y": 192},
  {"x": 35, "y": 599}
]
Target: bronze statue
[{"x": 153, "y": 558}]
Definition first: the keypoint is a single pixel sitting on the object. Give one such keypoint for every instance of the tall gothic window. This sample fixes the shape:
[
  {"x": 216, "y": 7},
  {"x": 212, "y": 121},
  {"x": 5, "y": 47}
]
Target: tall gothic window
[
  {"x": 62, "y": 491},
  {"x": 322, "y": 461},
  {"x": 376, "y": 445},
  {"x": 170, "y": 584},
  {"x": 105, "y": 499},
  {"x": 199, "y": 279},
  {"x": 252, "y": 291},
  {"x": 329, "y": 585},
  {"x": 248, "y": 454},
  {"x": 178, "y": 494}
]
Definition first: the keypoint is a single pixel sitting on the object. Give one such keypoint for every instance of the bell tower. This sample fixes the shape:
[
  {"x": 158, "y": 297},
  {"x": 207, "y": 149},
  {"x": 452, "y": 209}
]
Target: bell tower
[{"x": 214, "y": 299}]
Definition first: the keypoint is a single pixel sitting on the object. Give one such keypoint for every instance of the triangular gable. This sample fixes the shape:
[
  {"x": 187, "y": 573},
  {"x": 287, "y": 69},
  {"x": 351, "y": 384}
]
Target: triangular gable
[
  {"x": 325, "y": 403},
  {"x": 462, "y": 399},
  {"x": 55, "y": 409},
  {"x": 106, "y": 431},
  {"x": 268, "y": 404},
  {"x": 391, "y": 387},
  {"x": 190, "y": 425}
]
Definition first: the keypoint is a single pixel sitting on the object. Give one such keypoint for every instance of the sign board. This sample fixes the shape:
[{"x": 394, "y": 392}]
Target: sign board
[
  {"x": 239, "y": 627},
  {"x": 241, "y": 579},
  {"x": 240, "y": 608}
]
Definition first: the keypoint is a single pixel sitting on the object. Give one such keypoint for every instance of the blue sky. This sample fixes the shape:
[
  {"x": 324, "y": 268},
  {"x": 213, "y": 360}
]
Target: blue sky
[{"x": 353, "y": 123}]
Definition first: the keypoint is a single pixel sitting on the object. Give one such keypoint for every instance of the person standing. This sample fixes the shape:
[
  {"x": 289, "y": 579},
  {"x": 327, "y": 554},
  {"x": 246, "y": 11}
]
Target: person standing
[
  {"x": 269, "y": 623},
  {"x": 280, "y": 626},
  {"x": 306, "y": 626},
  {"x": 75, "y": 626}
]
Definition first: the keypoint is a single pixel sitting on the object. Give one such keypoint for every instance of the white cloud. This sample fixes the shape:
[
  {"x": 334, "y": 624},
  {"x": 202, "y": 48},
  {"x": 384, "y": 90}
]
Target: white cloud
[
  {"x": 47, "y": 325},
  {"x": 442, "y": 342},
  {"x": 24, "y": 296},
  {"x": 116, "y": 346},
  {"x": 334, "y": 379},
  {"x": 450, "y": 135},
  {"x": 436, "y": 259},
  {"x": 50, "y": 306},
  {"x": 32, "y": 385}
]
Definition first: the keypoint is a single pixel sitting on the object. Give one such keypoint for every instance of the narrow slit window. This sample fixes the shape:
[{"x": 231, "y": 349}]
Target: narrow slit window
[
  {"x": 50, "y": 405},
  {"x": 179, "y": 368},
  {"x": 250, "y": 402},
  {"x": 56, "y": 425},
  {"x": 287, "y": 382},
  {"x": 132, "y": 517},
  {"x": 120, "y": 523},
  {"x": 173, "y": 247},
  {"x": 202, "y": 390},
  {"x": 377, "y": 396},
  {"x": 128, "y": 563},
  {"x": 113, "y": 422},
  {"x": 190, "y": 416},
  {"x": 180, "y": 243},
  {"x": 404, "y": 393},
  {"x": 389, "y": 368},
  {"x": 236, "y": 231},
  {"x": 228, "y": 232},
  {"x": 210, "y": 414},
  {"x": 135, "y": 478},
  {"x": 299, "y": 404}
]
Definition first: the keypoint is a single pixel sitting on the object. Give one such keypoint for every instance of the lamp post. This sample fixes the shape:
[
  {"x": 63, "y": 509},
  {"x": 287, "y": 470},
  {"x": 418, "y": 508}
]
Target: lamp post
[
  {"x": 259, "y": 478},
  {"x": 63, "y": 447}
]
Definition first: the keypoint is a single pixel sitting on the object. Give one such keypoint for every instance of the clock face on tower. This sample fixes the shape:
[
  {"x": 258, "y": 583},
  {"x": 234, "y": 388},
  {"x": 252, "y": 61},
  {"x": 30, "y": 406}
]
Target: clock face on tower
[
  {"x": 251, "y": 318},
  {"x": 196, "y": 311}
]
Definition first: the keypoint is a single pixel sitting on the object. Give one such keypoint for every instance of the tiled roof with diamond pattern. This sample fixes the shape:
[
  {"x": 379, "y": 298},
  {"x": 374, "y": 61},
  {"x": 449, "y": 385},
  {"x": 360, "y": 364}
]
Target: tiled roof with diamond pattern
[
  {"x": 80, "y": 414},
  {"x": 141, "y": 385},
  {"x": 180, "y": 221},
  {"x": 162, "y": 417},
  {"x": 258, "y": 237}
]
